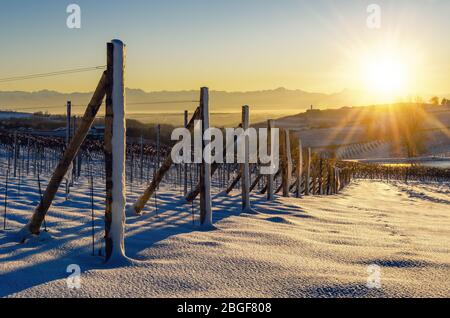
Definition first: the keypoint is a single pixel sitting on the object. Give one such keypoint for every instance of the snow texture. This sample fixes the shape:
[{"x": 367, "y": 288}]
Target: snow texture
[{"x": 311, "y": 247}]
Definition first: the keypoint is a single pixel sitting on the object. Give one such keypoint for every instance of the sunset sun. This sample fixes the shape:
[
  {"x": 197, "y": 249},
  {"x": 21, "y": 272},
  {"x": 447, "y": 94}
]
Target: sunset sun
[{"x": 386, "y": 75}]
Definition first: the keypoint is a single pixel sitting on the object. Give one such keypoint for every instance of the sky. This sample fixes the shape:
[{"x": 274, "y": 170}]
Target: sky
[{"x": 232, "y": 45}]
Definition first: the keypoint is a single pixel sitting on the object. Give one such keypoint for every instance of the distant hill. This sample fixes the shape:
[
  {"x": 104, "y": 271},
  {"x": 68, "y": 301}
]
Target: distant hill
[{"x": 279, "y": 100}]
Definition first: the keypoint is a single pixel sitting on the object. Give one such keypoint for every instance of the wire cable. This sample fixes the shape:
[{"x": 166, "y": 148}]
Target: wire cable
[
  {"x": 50, "y": 74},
  {"x": 63, "y": 106}
]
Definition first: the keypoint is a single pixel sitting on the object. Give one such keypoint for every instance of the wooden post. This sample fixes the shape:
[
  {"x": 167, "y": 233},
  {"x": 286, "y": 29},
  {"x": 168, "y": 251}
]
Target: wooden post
[
  {"x": 233, "y": 183},
  {"x": 308, "y": 171},
  {"x": 68, "y": 119},
  {"x": 15, "y": 153},
  {"x": 270, "y": 177},
  {"x": 314, "y": 177},
  {"x": 338, "y": 181},
  {"x": 332, "y": 179},
  {"x": 79, "y": 159},
  {"x": 286, "y": 161},
  {"x": 256, "y": 182},
  {"x": 185, "y": 183},
  {"x": 141, "y": 159},
  {"x": 75, "y": 161},
  {"x": 328, "y": 178},
  {"x": 299, "y": 170},
  {"x": 320, "y": 176},
  {"x": 28, "y": 155},
  {"x": 205, "y": 168},
  {"x": 34, "y": 225},
  {"x": 245, "y": 167},
  {"x": 158, "y": 145},
  {"x": 115, "y": 152}
]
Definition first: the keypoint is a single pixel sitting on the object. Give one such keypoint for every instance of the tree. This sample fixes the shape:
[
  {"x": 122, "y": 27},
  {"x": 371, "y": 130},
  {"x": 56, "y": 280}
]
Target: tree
[
  {"x": 411, "y": 128},
  {"x": 434, "y": 100}
]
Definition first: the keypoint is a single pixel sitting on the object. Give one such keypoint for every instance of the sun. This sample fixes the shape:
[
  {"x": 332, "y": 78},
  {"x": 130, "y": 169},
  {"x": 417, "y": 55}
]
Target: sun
[{"x": 385, "y": 75}]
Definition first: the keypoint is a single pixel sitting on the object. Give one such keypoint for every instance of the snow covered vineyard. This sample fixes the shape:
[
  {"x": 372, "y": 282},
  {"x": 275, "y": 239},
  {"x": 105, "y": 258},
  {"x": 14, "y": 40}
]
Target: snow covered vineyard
[
  {"x": 107, "y": 219},
  {"x": 313, "y": 247}
]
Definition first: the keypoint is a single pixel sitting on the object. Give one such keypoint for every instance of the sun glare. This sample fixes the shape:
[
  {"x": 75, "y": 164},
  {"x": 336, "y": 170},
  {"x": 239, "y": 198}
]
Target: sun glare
[{"x": 385, "y": 75}]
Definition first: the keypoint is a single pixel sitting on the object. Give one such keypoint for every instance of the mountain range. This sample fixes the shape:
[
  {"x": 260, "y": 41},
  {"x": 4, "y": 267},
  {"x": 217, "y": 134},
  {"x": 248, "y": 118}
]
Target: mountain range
[{"x": 278, "y": 100}]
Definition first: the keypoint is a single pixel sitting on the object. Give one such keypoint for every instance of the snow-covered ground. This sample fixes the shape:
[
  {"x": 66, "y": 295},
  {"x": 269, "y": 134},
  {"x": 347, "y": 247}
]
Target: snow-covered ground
[{"x": 310, "y": 247}]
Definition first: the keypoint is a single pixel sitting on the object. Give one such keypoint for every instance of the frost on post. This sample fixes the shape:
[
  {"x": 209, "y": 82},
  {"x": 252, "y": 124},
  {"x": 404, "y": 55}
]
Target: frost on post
[{"x": 115, "y": 134}]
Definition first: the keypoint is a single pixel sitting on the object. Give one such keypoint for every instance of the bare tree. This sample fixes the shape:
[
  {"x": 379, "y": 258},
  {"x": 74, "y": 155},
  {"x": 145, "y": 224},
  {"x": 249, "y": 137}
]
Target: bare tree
[{"x": 411, "y": 124}]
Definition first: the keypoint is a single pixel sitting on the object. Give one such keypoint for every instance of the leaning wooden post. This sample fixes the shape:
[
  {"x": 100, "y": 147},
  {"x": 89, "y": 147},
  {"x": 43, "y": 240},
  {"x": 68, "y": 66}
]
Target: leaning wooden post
[
  {"x": 233, "y": 183},
  {"x": 308, "y": 171},
  {"x": 34, "y": 225},
  {"x": 299, "y": 170},
  {"x": 137, "y": 207},
  {"x": 205, "y": 167},
  {"x": 115, "y": 146},
  {"x": 245, "y": 167},
  {"x": 270, "y": 177},
  {"x": 194, "y": 193}
]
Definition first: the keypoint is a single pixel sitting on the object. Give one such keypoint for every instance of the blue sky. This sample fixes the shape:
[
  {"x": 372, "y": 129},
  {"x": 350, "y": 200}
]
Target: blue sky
[{"x": 228, "y": 45}]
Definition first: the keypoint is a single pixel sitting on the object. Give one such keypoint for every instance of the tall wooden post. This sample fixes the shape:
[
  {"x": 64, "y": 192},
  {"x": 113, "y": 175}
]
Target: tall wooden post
[
  {"x": 320, "y": 176},
  {"x": 333, "y": 185},
  {"x": 245, "y": 166},
  {"x": 79, "y": 164},
  {"x": 205, "y": 168},
  {"x": 337, "y": 180},
  {"x": 299, "y": 169},
  {"x": 308, "y": 171},
  {"x": 68, "y": 133},
  {"x": 270, "y": 177},
  {"x": 185, "y": 190},
  {"x": 68, "y": 121},
  {"x": 75, "y": 161},
  {"x": 141, "y": 159},
  {"x": 115, "y": 147},
  {"x": 15, "y": 153},
  {"x": 158, "y": 146},
  {"x": 28, "y": 155}
]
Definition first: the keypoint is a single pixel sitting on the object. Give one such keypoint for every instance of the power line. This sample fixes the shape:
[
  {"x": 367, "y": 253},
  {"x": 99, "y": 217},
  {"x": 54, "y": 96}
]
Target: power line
[
  {"x": 63, "y": 106},
  {"x": 164, "y": 102},
  {"x": 55, "y": 73},
  {"x": 38, "y": 107}
]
